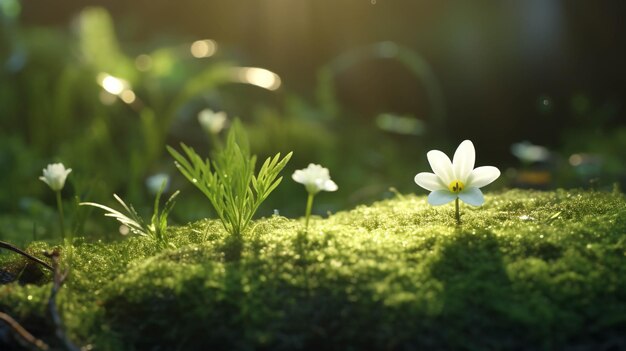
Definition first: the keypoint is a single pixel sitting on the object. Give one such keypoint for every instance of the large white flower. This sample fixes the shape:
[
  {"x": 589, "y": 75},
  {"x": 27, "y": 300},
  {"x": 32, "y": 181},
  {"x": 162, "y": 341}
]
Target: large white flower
[
  {"x": 456, "y": 179},
  {"x": 54, "y": 175},
  {"x": 315, "y": 178}
]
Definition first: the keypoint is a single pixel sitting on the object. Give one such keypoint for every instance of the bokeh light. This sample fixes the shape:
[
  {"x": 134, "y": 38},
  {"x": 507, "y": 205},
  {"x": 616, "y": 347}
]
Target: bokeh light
[
  {"x": 203, "y": 48},
  {"x": 112, "y": 84},
  {"x": 128, "y": 96},
  {"x": 143, "y": 62},
  {"x": 258, "y": 76}
]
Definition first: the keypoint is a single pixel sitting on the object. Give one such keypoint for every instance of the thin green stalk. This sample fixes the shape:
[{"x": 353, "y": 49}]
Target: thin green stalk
[
  {"x": 61, "y": 216},
  {"x": 458, "y": 214},
  {"x": 216, "y": 144},
  {"x": 309, "y": 206}
]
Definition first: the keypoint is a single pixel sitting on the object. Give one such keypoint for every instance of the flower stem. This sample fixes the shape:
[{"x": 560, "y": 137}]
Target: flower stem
[
  {"x": 309, "y": 206},
  {"x": 458, "y": 213},
  {"x": 61, "y": 217}
]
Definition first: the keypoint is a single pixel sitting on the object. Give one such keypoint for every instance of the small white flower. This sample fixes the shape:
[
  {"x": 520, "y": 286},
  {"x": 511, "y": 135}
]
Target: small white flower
[
  {"x": 528, "y": 152},
  {"x": 315, "y": 178},
  {"x": 154, "y": 182},
  {"x": 54, "y": 175},
  {"x": 211, "y": 121},
  {"x": 456, "y": 179}
]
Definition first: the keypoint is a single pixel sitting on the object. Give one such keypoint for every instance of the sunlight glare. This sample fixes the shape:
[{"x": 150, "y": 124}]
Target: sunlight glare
[
  {"x": 128, "y": 96},
  {"x": 260, "y": 77},
  {"x": 112, "y": 84},
  {"x": 203, "y": 48}
]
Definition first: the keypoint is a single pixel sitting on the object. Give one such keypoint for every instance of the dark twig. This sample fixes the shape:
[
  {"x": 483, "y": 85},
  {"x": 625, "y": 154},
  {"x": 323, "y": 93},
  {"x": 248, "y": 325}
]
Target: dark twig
[
  {"x": 6, "y": 245},
  {"x": 26, "y": 339},
  {"x": 59, "y": 279}
]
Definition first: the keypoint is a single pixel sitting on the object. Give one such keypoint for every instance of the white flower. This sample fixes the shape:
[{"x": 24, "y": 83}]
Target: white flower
[
  {"x": 54, "y": 175},
  {"x": 154, "y": 182},
  {"x": 212, "y": 122},
  {"x": 456, "y": 179},
  {"x": 315, "y": 178}
]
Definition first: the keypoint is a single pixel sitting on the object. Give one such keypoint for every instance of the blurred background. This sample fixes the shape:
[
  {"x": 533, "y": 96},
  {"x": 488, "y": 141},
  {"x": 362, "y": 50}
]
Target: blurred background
[{"x": 363, "y": 87}]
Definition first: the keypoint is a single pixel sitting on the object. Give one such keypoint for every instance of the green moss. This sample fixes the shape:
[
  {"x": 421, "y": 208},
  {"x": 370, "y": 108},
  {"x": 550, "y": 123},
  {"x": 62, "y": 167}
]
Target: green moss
[{"x": 528, "y": 270}]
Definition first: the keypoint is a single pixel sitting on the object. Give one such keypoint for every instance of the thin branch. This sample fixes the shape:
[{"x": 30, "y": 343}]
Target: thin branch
[
  {"x": 26, "y": 339},
  {"x": 59, "y": 279},
  {"x": 6, "y": 245}
]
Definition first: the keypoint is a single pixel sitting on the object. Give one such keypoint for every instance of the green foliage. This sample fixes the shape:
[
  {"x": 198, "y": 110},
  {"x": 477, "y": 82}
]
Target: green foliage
[
  {"x": 229, "y": 181},
  {"x": 62, "y": 114},
  {"x": 394, "y": 275},
  {"x": 99, "y": 45},
  {"x": 156, "y": 230}
]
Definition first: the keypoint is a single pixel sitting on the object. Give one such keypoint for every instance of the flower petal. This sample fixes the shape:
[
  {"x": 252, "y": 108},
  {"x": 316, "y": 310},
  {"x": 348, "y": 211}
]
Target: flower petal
[
  {"x": 299, "y": 176},
  {"x": 429, "y": 181},
  {"x": 441, "y": 165},
  {"x": 482, "y": 176},
  {"x": 440, "y": 197},
  {"x": 463, "y": 160},
  {"x": 472, "y": 195},
  {"x": 329, "y": 185}
]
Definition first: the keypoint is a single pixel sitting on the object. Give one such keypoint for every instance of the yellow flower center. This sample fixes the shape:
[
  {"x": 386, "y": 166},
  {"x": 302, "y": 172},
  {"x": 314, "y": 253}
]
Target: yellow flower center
[{"x": 456, "y": 186}]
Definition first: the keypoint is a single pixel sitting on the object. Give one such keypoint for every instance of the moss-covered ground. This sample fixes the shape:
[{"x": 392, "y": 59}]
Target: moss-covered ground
[{"x": 526, "y": 271}]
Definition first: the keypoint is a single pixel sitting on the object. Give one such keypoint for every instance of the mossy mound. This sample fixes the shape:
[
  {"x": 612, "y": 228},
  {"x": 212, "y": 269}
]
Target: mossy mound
[{"x": 526, "y": 271}]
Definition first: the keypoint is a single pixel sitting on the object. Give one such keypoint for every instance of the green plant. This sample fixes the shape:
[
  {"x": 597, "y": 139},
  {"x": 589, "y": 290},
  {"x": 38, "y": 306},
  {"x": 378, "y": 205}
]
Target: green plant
[
  {"x": 157, "y": 228},
  {"x": 228, "y": 181}
]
